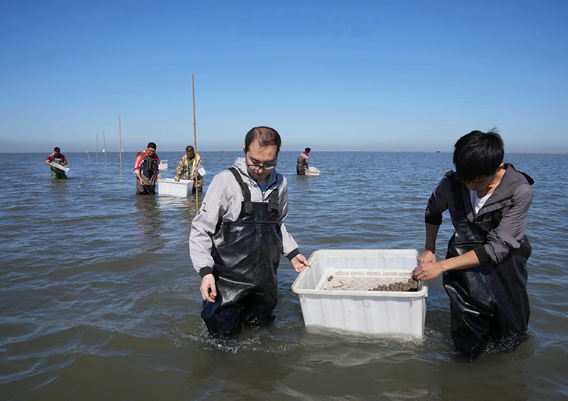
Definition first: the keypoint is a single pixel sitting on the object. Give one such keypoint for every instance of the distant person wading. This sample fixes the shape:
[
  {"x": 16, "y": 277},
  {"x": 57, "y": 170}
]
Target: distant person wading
[
  {"x": 188, "y": 166},
  {"x": 56, "y": 158},
  {"x": 146, "y": 170},
  {"x": 302, "y": 164}
]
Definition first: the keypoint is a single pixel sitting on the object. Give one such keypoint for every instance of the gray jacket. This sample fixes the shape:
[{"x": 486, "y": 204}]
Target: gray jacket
[
  {"x": 513, "y": 195},
  {"x": 223, "y": 203}
]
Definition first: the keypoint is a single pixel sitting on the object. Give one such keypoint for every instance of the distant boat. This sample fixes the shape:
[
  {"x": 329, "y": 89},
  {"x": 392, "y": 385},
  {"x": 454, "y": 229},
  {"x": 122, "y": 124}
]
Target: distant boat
[{"x": 437, "y": 151}]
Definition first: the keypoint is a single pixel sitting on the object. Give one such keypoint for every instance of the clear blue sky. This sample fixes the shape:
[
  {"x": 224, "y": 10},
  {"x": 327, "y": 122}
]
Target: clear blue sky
[{"x": 331, "y": 75}]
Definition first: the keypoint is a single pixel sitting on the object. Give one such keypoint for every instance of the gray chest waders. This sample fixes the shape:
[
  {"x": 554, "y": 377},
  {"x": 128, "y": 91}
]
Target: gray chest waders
[
  {"x": 246, "y": 255},
  {"x": 489, "y": 300}
]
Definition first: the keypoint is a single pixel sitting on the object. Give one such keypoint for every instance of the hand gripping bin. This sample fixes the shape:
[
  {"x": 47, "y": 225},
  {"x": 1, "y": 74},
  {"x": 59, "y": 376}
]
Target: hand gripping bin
[
  {"x": 169, "y": 186},
  {"x": 336, "y": 292}
]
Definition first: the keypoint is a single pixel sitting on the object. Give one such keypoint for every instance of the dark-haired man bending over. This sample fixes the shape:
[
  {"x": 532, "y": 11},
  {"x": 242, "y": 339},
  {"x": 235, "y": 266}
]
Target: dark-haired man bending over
[{"x": 485, "y": 273}]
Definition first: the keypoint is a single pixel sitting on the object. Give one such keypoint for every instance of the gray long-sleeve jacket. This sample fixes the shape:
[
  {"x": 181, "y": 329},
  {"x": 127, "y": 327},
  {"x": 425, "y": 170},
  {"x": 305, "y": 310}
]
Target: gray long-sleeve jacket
[
  {"x": 511, "y": 229},
  {"x": 223, "y": 203}
]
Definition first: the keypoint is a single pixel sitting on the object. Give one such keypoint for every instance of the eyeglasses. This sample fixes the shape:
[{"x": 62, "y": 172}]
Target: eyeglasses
[{"x": 257, "y": 167}]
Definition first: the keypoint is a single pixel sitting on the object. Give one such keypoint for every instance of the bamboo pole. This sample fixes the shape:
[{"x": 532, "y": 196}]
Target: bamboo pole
[
  {"x": 195, "y": 146},
  {"x": 120, "y": 149},
  {"x": 105, "y": 150},
  {"x": 97, "y": 154},
  {"x": 87, "y": 146}
]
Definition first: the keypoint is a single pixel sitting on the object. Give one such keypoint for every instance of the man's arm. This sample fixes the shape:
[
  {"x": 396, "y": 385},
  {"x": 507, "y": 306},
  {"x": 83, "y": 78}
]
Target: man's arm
[
  {"x": 511, "y": 229},
  {"x": 289, "y": 246},
  {"x": 215, "y": 205},
  {"x": 437, "y": 204},
  {"x": 137, "y": 164},
  {"x": 431, "y": 270},
  {"x": 429, "y": 254},
  {"x": 213, "y": 208},
  {"x": 179, "y": 170}
]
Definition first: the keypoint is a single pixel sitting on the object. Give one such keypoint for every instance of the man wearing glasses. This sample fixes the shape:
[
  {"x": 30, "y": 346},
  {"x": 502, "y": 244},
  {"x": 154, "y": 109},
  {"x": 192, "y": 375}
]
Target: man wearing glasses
[
  {"x": 187, "y": 168},
  {"x": 238, "y": 236}
]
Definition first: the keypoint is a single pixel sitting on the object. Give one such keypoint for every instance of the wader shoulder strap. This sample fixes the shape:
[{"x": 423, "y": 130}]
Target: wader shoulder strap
[
  {"x": 149, "y": 161},
  {"x": 459, "y": 203},
  {"x": 244, "y": 188},
  {"x": 273, "y": 200}
]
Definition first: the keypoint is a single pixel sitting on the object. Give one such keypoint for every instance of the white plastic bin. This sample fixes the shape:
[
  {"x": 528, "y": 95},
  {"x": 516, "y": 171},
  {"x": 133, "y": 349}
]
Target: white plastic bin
[
  {"x": 163, "y": 166},
  {"x": 313, "y": 171},
  {"x": 169, "y": 186},
  {"x": 382, "y": 313}
]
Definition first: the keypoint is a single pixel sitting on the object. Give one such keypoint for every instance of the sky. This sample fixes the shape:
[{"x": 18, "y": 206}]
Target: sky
[{"x": 329, "y": 75}]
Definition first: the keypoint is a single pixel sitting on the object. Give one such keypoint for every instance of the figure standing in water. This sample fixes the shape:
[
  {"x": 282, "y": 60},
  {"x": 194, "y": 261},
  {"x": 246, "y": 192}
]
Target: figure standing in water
[
  {"x": 238, "y": 236},
  {"x": 303, "y": 162},
  {"x": 485, "y": 273},
  {"x": 187, "y": 168},
  {"x": 57, "y": 158},
  {"x": 146, "y": 170}
]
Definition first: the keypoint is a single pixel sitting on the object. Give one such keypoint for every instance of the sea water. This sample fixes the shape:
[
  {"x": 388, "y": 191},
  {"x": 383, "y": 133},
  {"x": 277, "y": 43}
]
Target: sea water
[{"x": 99, "y": 299}]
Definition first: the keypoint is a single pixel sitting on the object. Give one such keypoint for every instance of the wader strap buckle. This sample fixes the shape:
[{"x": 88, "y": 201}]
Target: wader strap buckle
[
  {"x": 462, "y": 226},
  {"x": 247, "y": 203}
]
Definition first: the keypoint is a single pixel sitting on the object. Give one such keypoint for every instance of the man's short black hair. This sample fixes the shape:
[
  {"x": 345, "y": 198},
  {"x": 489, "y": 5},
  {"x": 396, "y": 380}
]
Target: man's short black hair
[
  {"x": 478, "y": 154},
  {"x": 151, "y": 145},
  {"x": 308, "y": 150},
  {"x": 56, "y": 149},
  {"x": 265, "y": 136},
  {"x": 189, "y": 148}
]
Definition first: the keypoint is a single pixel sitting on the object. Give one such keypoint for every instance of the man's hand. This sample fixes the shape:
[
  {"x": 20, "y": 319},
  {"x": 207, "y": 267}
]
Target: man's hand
[
  {"x": 208, "y": 288},
  {"x": 299, "y": 262},
  {"x": 176, "y": 179},
  {"x": 428, "y": 270},
  {"x": 426, "y": 257},
  {"x": 427, "y": 267}
]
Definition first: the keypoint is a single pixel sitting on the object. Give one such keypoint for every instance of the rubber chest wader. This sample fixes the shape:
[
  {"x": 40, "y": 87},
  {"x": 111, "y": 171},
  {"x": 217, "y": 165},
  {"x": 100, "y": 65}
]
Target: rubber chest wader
[
  {"x": 246, "y": 255},
  {"x": 148, "y": 174},
  {"x": 301, "y": 165},
  {"x": 489, "y": 300},
  {"x": 55, "y": 172}
]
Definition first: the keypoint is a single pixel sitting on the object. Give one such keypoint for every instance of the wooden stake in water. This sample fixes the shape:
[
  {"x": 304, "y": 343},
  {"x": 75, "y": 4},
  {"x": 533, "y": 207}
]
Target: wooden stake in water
[
  {"x": 120, "y": 149},
  {"x": 87, "y": 146},
  {"x": 195, "y": 146},
  {"x": 105, "y": 150}
]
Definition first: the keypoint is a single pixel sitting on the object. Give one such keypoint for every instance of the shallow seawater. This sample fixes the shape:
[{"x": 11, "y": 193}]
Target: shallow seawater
[{"x": 99, "y": 299}]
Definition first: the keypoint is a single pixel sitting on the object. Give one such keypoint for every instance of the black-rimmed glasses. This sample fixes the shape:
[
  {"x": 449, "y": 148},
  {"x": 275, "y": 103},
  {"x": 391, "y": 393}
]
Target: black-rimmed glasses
[{"x": 257, "y": 167}]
